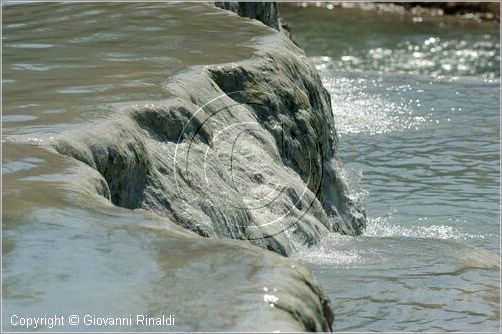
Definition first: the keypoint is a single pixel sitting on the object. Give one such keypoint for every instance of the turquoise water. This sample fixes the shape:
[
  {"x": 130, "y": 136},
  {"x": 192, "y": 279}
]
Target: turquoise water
[{"x": 418, "y": 114}]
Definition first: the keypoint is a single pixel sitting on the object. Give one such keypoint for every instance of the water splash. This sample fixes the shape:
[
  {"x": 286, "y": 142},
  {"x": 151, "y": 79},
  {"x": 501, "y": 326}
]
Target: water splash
[
  {"x": 330, "y": 252},
  {"x": 384, "y": 245}
]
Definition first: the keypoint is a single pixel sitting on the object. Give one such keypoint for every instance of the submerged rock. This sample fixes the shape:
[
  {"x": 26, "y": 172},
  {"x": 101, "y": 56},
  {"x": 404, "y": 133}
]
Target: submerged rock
[{"x": 143, "y": 265}]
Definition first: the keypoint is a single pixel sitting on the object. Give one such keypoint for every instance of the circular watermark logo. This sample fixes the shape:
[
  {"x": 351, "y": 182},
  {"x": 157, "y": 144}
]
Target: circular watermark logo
[{"x": 238, "y": 160}]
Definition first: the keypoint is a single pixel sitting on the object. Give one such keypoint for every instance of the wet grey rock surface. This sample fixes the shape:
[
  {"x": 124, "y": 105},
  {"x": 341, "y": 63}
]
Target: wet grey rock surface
[
  {"x": 245, "y": 151},
  {"x": 140, "y": 264},
  {"x": 174, "y": 205}
]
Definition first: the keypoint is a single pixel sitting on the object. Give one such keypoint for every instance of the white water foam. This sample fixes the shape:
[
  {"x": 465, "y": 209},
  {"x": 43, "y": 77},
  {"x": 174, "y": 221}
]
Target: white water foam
[
  {"x": 330, "y": 251},
  {"x": 384, "y": 242}
]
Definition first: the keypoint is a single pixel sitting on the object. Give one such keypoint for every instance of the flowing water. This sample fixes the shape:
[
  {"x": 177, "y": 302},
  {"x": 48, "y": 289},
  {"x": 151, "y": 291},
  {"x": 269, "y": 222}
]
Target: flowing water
[
  {"x": 417, "y": 108},
  {"x": 68, "y": 250},
  {"x": 417, "y": 111}
]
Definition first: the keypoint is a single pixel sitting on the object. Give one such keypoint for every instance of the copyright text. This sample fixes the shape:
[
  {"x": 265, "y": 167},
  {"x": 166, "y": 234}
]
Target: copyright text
[{"x": 54, "y": 321}]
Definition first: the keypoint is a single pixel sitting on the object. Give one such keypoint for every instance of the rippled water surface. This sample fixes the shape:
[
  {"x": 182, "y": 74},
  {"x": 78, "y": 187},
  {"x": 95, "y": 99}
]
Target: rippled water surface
[
  {"x": 65, "y": 63},
  {"x": 65, "y": 249},
  {"x": 417, "y": 112},
  {"x": 418, "y": 115}
]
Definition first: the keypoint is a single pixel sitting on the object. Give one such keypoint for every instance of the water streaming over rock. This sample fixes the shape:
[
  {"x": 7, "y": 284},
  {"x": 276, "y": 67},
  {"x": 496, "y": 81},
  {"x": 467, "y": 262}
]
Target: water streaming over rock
[{"x": 151, "y": 154}]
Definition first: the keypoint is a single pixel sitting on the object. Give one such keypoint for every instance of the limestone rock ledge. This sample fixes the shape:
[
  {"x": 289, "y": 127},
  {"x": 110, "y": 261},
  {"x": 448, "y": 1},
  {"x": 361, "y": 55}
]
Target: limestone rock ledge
[{"x": 245, "y": 151}]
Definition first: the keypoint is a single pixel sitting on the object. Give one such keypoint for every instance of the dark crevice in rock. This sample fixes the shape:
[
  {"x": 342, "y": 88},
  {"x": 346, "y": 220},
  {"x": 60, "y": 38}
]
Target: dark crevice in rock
[{"x": 265, "y": 12}]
